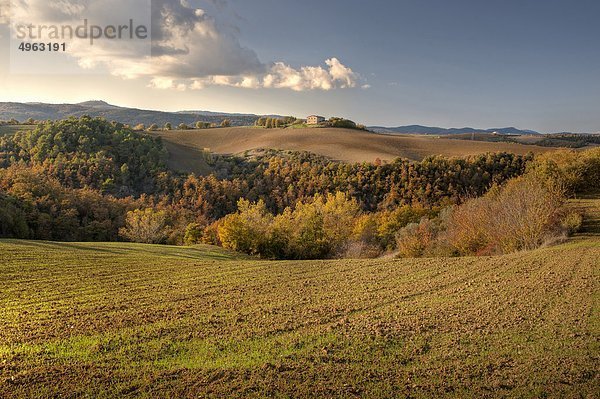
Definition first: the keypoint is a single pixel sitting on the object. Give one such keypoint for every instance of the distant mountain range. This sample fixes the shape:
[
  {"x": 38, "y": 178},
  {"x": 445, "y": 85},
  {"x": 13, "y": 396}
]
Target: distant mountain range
[
  {"x": 418, "y": 129},
  {"x": 132, "y": 116}
]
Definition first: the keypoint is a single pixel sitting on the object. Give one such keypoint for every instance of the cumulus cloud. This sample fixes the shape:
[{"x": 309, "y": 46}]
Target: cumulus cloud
[
  {"x": 187, "y": 43},
  {"x": 4, "y": 17},
  {"x": 188, "y": 48},
  {"x": 282, "y": 76},
  {"x": 4, "y": 10}
]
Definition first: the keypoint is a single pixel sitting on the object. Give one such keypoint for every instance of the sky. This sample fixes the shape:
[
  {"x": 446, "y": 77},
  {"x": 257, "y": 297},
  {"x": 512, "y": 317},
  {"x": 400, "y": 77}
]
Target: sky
[{"x": 530, "y": 64}]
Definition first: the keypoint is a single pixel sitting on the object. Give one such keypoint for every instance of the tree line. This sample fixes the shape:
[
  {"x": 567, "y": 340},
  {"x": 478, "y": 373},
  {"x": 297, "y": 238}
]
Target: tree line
[{"x": 89, "y": 179}]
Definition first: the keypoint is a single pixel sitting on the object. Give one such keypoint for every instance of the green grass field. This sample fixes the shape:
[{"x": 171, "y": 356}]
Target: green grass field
[{"x": 125, "y": 320}]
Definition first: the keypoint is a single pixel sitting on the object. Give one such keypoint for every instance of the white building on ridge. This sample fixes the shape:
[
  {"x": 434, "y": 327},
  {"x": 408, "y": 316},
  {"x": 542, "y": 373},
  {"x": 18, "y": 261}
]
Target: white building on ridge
[{"x": 314, "y": 119}]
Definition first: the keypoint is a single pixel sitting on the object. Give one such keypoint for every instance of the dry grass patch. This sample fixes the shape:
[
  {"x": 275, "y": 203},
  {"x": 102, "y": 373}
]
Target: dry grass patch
[{"x": 338, "y": 144}]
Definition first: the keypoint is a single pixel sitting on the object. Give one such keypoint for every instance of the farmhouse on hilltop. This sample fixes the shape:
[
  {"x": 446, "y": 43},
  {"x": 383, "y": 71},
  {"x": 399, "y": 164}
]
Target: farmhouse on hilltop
[{"x": 314, "y": 120}]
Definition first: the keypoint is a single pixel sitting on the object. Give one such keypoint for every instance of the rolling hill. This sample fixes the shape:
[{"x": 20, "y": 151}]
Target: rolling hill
[
  {"x": 440, "y": 131},
  {"x": 186, "y": 146},
  {"x": 132, "y": 116}
]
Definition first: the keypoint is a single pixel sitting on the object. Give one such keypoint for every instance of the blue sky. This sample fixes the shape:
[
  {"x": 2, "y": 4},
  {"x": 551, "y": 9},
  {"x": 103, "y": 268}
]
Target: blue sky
[{"x": 531, "y": 64}]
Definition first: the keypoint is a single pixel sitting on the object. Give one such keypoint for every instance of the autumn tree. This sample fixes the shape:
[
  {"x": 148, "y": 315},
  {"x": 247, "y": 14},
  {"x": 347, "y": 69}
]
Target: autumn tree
[
  {"x": 145, "y": 226},
  {"x": 247, "y": 230},
  {"x": 193, "y": 234}
]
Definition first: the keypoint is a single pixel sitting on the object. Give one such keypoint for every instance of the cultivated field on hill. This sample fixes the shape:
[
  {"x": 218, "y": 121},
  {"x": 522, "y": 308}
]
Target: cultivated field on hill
[
  {"x": 128, "y": 320},
  {"x": 338, "y": 144}
]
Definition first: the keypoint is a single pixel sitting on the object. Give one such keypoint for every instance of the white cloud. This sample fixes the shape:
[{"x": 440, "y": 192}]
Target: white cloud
[
  {"x": 4, "y": 10},
  {"x": 162, "y": 83},
  {"x": 189, "y": 48},
  {"x": 188, "y": 44},
  {"x": 282, "y": 76},
  {"x": 340, "y": 72}
]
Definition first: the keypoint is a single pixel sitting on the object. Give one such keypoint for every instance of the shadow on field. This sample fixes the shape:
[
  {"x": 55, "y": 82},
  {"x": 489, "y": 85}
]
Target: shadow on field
[{"x": 589, "y": 205}]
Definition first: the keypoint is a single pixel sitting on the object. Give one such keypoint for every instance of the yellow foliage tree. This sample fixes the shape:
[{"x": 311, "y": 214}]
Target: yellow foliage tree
[{"x": 145, "y": 226}]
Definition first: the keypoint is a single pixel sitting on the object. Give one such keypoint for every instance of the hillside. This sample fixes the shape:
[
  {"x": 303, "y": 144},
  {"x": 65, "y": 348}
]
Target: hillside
[
  {"x": 154, "y": 321},
  {"x": 339, "y": 144},
  {"x": 430, "y": 130},
  {"x": 133, "y": 116},
  {"x": 568, "y": 140}
]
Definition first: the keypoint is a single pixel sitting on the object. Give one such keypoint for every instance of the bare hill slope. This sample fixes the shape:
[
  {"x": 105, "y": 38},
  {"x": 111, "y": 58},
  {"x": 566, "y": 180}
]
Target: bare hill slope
[{"x": 339, "y": 144}]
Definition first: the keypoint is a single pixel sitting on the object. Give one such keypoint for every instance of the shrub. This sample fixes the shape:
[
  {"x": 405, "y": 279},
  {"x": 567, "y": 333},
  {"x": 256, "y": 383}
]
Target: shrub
[
  {"x": 524, "y": 214},
  {"x": 572, "y": 223},
  {"x": 468, "y": 227},
  {"x": 210, "y": 235},
  {"x": 247, "y": 230},
  {"x": 339, "y": 216},
  {"x": 318, "y": 228},
  {"x": 390, "y": 222},
  {"x": 576, "y": 171},
  {"x": 193, "y": 234},
  {"x": 299, "y": 234},
  {"x": 145, "y": 226},
  {"x": 416, "y": 239},
  {"x": 521, "y": 215},
  {"x": 342, "y": 123},
  {"x": 365, "y": 229}
]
